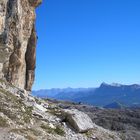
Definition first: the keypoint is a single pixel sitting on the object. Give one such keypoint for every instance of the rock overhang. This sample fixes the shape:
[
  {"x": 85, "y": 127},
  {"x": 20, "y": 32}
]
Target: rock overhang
[{"x": 18, "y": 41}]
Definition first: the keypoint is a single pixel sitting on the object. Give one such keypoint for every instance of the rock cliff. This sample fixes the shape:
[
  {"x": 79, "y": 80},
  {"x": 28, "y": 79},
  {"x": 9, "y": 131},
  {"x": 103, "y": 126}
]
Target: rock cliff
[{"x": 18, "y": 42}]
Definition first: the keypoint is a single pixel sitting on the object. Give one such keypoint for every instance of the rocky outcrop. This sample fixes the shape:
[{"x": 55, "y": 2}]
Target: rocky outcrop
[{"x": 18, "y": 41}]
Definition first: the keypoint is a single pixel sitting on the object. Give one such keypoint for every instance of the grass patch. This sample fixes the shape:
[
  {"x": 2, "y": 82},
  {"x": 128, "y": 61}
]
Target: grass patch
[
  {"x": 47, "y": 128},
  {"x": 8, "y": 113},
  {"x": 3, "y": 122},
  {"x": 88, "y": 134},
  {"x": 18, "y": 131},
  {"x": 58, "y": 130},
  {"x": 1, "y": 80},
  {"x": 16, "y": 105},
  {"x": 55, "y": 111},
  {"x": 27, "y": 114},
  {"x": 111, "y": 136},
  {"x": 35, "y": 132},
  {"x": 122, "y": 136},
  {"x": 29, "y": 137},
  {"x": 29, "y": 132},
  {"x": 9, "y": 96},
  {"x": 37, "y": 101}
]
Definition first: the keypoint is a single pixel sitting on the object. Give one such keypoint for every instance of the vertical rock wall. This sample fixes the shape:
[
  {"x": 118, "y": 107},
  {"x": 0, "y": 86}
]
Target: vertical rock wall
[{"x": 18, "y": 41}]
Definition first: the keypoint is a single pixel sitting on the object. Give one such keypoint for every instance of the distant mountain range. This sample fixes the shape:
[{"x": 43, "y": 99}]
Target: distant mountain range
[{"x": 108, "y": 96}]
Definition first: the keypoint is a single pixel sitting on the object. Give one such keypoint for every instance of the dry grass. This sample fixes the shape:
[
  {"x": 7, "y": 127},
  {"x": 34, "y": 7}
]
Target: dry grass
[{"x": 3, "y": 122}]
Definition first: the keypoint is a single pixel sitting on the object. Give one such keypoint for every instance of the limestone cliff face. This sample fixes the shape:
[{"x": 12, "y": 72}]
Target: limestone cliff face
[{"x": 18, "y": 41}]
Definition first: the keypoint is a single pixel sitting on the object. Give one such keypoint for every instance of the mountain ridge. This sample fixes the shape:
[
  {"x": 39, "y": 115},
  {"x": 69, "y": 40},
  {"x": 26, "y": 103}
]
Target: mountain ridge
[{"x": 101, "y": 96}]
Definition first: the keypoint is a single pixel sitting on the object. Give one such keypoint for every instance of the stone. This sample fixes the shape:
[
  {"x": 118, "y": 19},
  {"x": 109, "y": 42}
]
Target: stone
[
  {"x": 1, "y": 67},
  {"x": 30, "y": 99},
  {"x": 52, "y": 126},
  {"x": 46, "y": 105},
  {"x": 78, "y": 120},
  {"x": 40, "y": 108},
  {"x": 18, "y": 42}
]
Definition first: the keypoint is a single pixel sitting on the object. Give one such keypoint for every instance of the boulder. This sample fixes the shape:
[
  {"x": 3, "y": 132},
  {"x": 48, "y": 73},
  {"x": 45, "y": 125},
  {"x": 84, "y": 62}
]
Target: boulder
[{"x": 78, "y": 120}]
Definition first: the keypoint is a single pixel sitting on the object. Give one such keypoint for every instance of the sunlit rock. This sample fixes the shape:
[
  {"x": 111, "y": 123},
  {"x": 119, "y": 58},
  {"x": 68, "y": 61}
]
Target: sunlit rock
[{"x": 18, "y": 42}]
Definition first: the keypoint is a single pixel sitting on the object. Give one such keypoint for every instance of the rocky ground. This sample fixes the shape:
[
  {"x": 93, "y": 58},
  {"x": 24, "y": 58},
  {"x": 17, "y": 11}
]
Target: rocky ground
[
  {"x": 24, "y": 117},
  {"x": 126, "y": 121}
]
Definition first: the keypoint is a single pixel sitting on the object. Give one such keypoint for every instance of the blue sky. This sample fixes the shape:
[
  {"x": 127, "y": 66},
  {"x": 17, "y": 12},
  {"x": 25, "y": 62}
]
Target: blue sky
[{"x": 82, "y": 43}]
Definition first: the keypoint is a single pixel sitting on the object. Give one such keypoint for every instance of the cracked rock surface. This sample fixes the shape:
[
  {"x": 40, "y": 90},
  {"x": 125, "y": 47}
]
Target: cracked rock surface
[{"x": 18, "y": 41}]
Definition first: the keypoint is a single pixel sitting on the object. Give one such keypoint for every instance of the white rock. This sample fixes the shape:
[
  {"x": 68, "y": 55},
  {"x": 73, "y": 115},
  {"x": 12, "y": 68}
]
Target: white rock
[
  {"x": 46, "y": 105},
  {"x": 78, "y": 120},
  {"x": 40, "y": 107},
  {"x": 31, "y": 99},
  {"x": 51, "y": 126}
]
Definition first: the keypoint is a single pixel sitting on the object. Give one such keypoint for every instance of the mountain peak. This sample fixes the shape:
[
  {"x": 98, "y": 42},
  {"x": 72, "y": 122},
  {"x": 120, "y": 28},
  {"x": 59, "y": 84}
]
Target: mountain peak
[
  {"x": 113, "y": 84},
  {"x": 104, "y": 84},
  {"x": 116, "y": 85}
]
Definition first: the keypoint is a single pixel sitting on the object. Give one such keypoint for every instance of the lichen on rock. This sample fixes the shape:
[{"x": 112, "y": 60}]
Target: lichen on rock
[{"x": 18, "y": 41}]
